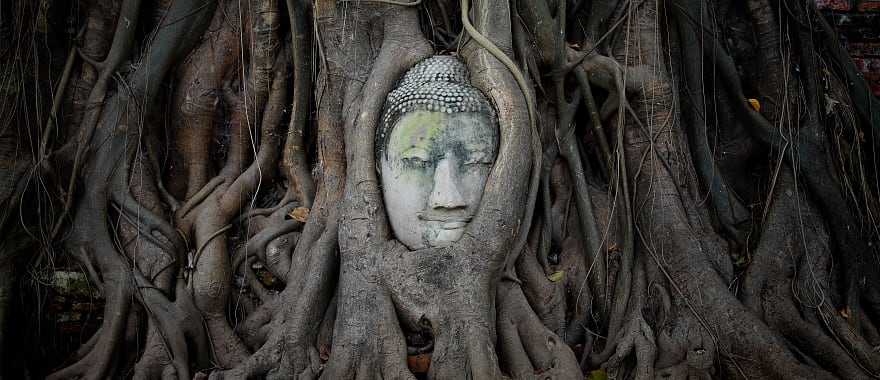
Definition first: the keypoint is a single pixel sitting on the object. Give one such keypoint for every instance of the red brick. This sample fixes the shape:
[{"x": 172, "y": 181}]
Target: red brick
[
  {"x": 869, "y": 5},
  {"x": 835, "y": 5},
  {"x": 862, "y": 49},
  {"x": 867, "y": 65}
]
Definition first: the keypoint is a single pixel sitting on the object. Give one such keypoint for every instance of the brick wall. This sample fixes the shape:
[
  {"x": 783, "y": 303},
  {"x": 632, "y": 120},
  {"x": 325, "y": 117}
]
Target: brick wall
[{"x": 858, "y": 23}]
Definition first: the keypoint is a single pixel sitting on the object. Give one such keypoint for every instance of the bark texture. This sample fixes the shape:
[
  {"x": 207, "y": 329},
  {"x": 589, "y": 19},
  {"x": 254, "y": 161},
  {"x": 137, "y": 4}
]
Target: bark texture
[{"x": 683, "y": 189}]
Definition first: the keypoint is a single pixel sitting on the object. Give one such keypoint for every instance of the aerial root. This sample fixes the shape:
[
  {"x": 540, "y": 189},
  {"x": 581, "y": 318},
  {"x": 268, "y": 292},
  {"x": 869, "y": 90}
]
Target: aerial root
[
  {"x": 856, "y": 345},
  {"x": 290, "y": 347},
  {"x": 527, "y": 347},
  {"x": 273, "y": 360},
  {"x": 295, "y": 164},
  {"x": 256, "y": 338},
  {"x": 87, "y": 347},
  {"x": 178, "y": 323},
  {"x": 260, "y": 244},
  {"x": 203, "y": 193},
  {"x": 154, "y": 362},
  {"x": 807, "y": 337},
  {"x": 637, "y": 338},
  {"x": 278, "y": 253},
  {"x": 254, "y": 330},
  {"x": 579, "y": 296},
  {"x": 87, "y": 261},
  {"x": 546, "y": 297},
  {"x": 285, "y": 205},
  {"x": 150, "y": 222}
]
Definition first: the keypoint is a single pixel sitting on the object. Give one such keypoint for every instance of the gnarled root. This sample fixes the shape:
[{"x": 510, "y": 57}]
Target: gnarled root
[
  {"x": 367, "y": 340},
  {"x": 636, "y": 336},
  {"x": 788, "y": 285},
  {"x": 528, "y": 349},
  {"x": 290, "y": 350}
]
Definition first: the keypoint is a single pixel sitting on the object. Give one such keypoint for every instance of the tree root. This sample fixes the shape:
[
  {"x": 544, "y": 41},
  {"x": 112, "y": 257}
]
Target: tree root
[
  {"x": 268, "y": 247},
  {"x": 519, "y": 295},
  {"x": 287, "y": 323},
  {"x": 730, "y": 210},
  {"x": 178, "y": 322},
  {"x": 255, "y": 328},
  {"x": 150, "y": 222},
  {"x": 290, "y": 349},
  {"x": 545, "y": 296},
  {"x": 367, "y": 340},
  {"x": 203, "y": 193},
  {"x": 528, "y": 349},
  {"x": 121, "y": 48},
  {"x": 208, "y": 217},
  {"x": 295, "y": 164},
  {"x": 106, "y": 170},
  {"x": 568, "y": 149},
  {"x": 637, "y": 336},
  {"x": 769, "y": 292}
]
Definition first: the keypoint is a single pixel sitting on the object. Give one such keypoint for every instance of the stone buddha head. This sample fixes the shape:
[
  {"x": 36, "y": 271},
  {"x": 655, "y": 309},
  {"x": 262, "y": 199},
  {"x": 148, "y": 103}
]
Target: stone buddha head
[{"x": 436, "y": 144}]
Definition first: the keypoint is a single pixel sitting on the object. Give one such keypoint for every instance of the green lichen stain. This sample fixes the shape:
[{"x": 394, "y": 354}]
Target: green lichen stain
[
  {"x": 418, "y": 129},
  {"x": 73, "y": 284}
]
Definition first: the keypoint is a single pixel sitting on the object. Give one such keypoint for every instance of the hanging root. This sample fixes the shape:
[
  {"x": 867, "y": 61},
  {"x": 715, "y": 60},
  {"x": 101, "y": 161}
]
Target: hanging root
[
  {"x": 290, "y": 347},
  {"x": 283, "y": 330},
  {"x": 295, "y": 164},
  {"x": 106, "y": 171},
  {"x": 637, "y": 336}
]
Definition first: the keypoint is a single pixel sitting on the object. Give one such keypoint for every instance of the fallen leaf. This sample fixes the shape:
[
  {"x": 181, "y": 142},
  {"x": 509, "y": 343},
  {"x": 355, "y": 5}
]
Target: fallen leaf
[
  {"x": 299, "y": 214},
  {"x": 755, "y": 104}
]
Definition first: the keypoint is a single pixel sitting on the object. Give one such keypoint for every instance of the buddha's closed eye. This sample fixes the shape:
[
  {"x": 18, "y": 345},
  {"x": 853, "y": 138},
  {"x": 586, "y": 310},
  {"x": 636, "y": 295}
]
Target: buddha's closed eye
[
  {"x": 479, "y": 159},
  {"x": 416, "y": 158}
]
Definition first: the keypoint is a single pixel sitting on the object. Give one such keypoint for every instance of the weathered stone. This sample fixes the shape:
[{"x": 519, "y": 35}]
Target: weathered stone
[{"x": 436, "y": 153}]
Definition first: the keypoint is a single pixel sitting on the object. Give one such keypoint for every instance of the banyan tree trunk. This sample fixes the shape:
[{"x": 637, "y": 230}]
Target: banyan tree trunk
[{"x": 682, "y": 189}]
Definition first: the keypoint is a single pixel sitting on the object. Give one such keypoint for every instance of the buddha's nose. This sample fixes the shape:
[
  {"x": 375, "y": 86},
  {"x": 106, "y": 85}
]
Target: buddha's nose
[{"x": 446, "y": 194}]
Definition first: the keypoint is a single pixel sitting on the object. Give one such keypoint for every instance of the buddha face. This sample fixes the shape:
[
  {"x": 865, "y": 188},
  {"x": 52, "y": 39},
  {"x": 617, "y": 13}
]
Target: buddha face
[{"x": 434, "y": 168}]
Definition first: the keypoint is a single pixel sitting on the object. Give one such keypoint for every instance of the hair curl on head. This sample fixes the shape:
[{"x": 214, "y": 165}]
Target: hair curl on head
[{"x": 438, "y": 83}]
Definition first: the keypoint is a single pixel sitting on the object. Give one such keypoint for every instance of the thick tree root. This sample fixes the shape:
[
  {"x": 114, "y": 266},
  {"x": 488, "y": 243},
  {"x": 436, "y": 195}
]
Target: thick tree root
[
  {"x": 787, "y": 280},
  {"x": 290, "y": 350},
  {"x": 528, "y": 349}
]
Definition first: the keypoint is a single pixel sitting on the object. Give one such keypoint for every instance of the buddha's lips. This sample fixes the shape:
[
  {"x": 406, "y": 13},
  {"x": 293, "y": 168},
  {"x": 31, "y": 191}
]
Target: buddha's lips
[{"x": 448, "y": 219}]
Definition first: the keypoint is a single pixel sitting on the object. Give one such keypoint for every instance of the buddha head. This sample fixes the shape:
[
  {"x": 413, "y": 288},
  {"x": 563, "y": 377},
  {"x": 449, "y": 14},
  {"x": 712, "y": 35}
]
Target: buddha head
[{"x": 436, "y": 144}]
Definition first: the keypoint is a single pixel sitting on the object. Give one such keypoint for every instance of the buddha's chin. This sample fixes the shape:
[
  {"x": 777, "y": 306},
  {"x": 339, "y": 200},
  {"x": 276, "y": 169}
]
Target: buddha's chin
[{"x": 445, "y": 237}]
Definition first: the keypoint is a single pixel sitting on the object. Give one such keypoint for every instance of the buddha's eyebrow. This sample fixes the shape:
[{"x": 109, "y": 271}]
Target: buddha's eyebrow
[
  {"x": 480, "y": 146},
  {"x": 426, "y": 144},
  {"x": 479, "y": 151}
]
